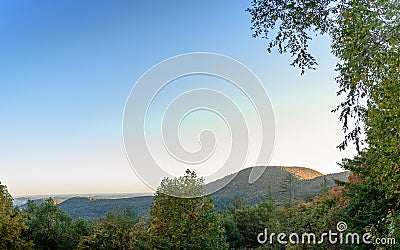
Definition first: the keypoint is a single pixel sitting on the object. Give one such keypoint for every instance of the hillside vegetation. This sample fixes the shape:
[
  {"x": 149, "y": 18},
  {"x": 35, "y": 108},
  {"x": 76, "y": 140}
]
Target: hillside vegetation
[
  {"x": 90, "y": 208},
  {"x": 304, "y": 184}
]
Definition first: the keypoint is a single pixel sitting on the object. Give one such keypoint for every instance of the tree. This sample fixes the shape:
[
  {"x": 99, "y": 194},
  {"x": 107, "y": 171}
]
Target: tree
[
  {"x": 81, "y": 228},
  {"x": 318, "y": 216},
  {"x": 12, "y": 224},
  {"x": 287, "y": 189},
  {"x": 185, "y": 223},
  {"x": 365, "y": 39},
  {"x": 51, "y": 228},
  {"x": 233, "y": 236},
  {"x": 115, "y": 231},
  {"x": 251, "y": 221}
]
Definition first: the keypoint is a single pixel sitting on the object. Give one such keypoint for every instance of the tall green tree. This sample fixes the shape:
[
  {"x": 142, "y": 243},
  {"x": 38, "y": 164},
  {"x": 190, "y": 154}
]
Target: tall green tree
[
  {"x": 233, "y": 236},
  {"x": 287, "y": 189},
  {"x": 365, "y": 39},
  {"x": 185, "y": 223},
  {"x": 115, "y": 231},
  {"x": 251, "y": 221},
  {"x": 317, "y": 216},
  {"x": 51, "y": 228},
  {"x": 12, "y": 224}
]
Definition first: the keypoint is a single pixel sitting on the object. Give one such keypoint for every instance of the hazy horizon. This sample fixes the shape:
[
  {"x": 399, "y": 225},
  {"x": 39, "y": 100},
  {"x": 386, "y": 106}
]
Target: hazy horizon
[
  {"x": 39, "y": 196},
  {"x": 144, "y": 192}
]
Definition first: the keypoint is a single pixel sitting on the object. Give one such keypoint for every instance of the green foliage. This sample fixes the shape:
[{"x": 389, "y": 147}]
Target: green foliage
[
  {"x": 81, "y": 228},
  {"x": 243, "y": 224},
  {"x": 117, "y": 231},
  {"x": 12, "y": 224},
  {"x": 185, "y": 223},
  {"x": 232, "y": 233},
  {"x": 318, "y": 216},
  {"x": 367, "y": 204},
  {"x": 251, "y": 221},
  {"x": 391, "y": 229},
  {"x": 296, "y": 18},
  {"x": 51, "y": 228},
  {"x": 365, "y": 39},
  {"x": 287, "y": 189}
]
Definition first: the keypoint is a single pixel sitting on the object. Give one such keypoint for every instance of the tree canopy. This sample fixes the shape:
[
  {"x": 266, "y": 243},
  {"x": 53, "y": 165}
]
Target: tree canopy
[
  {"x": 51, "y": 228},
  {"x": 12, "y": 224},
  {"x": 185, "y": 223},
  {"x": 365, "y": 38}
]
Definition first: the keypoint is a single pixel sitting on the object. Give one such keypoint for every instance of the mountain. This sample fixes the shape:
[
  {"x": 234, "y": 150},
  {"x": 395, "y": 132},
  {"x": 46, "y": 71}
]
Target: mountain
[
  {"x": 21, "y": 200},
  {"x": 305, "y": 184},
  {"x": 92, "y": 208}
]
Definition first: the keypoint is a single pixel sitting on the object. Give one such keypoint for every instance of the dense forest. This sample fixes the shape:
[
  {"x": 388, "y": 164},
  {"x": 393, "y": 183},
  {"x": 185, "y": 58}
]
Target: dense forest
[{"x": 365, "y": 39}]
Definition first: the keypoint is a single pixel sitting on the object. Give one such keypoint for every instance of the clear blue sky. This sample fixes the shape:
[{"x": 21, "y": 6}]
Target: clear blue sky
[{"x": 66, "y": 69}]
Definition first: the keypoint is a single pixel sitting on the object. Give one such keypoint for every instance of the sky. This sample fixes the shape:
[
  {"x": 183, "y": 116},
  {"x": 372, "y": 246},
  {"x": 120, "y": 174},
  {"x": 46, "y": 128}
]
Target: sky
[{"x": 67, "y": 68}]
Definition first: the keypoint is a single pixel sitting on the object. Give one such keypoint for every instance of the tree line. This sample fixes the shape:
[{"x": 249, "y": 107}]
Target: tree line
[{"x": 177, "y": 223}]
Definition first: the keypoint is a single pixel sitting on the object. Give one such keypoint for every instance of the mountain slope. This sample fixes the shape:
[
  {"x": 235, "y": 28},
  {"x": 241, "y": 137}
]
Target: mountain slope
[
  {"x": 91, "y": 208},
  {"x": 307, "y": 183}
]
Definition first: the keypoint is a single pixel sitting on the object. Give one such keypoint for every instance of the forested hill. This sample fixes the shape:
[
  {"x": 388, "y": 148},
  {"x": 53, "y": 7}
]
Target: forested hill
[
  {"x": 300, "y": 183},
  {"x": 303, "y": 183},
  {"x": 91, "y": 208}
]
